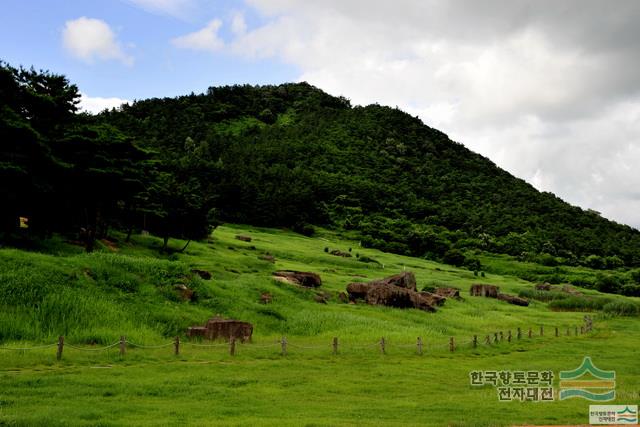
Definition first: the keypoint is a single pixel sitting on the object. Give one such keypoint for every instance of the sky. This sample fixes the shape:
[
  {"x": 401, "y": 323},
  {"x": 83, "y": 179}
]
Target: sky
[{"x": 547, "y": 89}]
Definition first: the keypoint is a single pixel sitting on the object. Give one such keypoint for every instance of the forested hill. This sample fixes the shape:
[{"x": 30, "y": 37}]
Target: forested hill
[
  {"x": 291, "y": 155},
  {"x": 288, "y": 155}
]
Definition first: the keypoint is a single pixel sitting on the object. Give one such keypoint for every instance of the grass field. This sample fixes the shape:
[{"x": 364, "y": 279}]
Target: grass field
[{"x": 128, "y": 289}]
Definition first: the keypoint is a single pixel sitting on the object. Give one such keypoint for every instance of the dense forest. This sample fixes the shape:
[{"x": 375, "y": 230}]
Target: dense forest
[{"x": 286, "y": 156}]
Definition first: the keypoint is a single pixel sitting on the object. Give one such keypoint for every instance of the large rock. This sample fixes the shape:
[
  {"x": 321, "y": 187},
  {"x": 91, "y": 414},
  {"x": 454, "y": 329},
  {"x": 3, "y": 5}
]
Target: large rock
[
  {"x": 338, "y": 252},
  {"x": 512, "y": 299},
  {"x": 394, "y": 291},
  {"x": 204, "y": 274},
  {"x": 219, "y": 328},
  {"x": 243, "y": 238},
  {"x": 433, "y": 299},
  {"x": 357, "y": 290},
  {"x": 448, "y": 292},
  {"x": 302, "y": 278},
  {"x": 489, "y": 291},
  {"x": 543, "y": 287},
  {"x": 404, "y": 280}
]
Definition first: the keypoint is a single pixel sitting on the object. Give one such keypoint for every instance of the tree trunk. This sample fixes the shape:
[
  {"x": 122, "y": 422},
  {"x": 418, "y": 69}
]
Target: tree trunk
[
  {"x": 166, "y": 242},
  {"x": 185, "y": 246}
]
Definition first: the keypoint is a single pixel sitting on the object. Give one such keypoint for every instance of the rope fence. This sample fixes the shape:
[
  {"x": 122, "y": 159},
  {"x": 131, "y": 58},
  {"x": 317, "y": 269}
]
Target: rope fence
[{"x": 336, "y": 346}]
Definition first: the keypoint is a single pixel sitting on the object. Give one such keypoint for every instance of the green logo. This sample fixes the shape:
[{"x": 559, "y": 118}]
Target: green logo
[{"x": 600, "y": 387}]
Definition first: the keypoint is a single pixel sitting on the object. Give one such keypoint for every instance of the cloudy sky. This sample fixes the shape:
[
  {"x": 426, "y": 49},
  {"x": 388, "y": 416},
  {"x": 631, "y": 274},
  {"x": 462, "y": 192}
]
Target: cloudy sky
[{"x": 549, "y": 90}]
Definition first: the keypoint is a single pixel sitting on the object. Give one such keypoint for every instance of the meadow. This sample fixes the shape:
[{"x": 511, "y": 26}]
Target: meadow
[{"x": 130, "y": 289}]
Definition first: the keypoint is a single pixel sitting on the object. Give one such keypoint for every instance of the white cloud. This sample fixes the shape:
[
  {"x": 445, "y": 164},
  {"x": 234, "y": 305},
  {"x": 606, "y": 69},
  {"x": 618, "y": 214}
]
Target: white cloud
[
  {"x": 176, "y": 8},
  {"x": 205, "y": 39},
  {"x": 238, "y": 24},
  {"x": 549, "y": 91},
  {"x": 90, "y": 39},
  {"x": 95, "y": 105}
]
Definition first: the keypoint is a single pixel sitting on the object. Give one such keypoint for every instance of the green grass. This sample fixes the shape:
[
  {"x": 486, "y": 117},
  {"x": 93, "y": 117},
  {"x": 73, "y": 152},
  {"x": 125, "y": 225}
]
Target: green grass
[{"x": 93, "y": 299}]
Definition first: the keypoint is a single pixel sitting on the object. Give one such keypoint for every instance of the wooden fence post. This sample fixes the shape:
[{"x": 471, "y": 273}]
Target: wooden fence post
[
  {"x": 495, "y": 338},
  {"x": 519, "y": 333},
  {"x": 176, "y": 346},
  {"x": 60, "y": 347},
  {"x": 419, "y": 345},
  {"x": 530, "y": 332},
  {"x": 581, "y": 330},
  {"x": 452, "y": 344},
  {"x": 382, "y": 346},
  {"x": 487, "y": 340},
  {"x": 509, "y": 336},
  {"x": 475, "y": 341},
  {"x": 576, "y": 331},
  {"x": 501, "y": 336},
  {"x": 541, "y": 330},
  {"x": 283, "y": 344},
  {"x": 568, "y": 331},
  {"x": 335, "y": 345},
  {"x": 232, "y": 346},
  {"x": 123, "y": 345},
  {"x": 557, "y": 333}
]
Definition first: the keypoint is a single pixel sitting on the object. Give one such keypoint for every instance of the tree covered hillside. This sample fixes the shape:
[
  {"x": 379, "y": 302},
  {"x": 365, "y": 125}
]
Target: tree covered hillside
[
  {"x": 292, "y": 155},
  {"x": 288, "y": 155}
]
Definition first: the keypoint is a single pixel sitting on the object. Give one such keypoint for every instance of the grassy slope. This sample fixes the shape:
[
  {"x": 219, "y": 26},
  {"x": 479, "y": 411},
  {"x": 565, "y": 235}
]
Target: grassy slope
[{"x": 205, "y": 386}]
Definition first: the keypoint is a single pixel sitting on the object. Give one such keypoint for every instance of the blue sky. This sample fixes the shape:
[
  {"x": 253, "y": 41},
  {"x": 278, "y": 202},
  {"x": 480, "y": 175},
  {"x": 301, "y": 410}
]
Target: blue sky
[
  {"x": 547, "y": 90},
  {"x": 31, "y": 33}
]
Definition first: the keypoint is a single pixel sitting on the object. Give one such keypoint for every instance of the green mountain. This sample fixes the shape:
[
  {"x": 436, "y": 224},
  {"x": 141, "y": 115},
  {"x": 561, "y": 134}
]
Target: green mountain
[{"x": 292, "y": 155}]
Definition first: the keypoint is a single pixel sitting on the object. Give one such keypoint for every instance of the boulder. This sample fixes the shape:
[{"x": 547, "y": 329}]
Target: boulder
[
  {"x": 512, "y": 299},
  {"x": 322, "y": 298},
  {"x": 243, "y": 238},
  {"x": 202, "y": 273},
  {"x": 343, "y": 297},
  {"x": 489, "y": 291},
  {"x": 268, "y": 258},
  {"x": 184, "y": 292},
  {"x": 357, "y": 290},
  {"x": 197, "y": 331},
  {"x": 266, "y": 298},
  {"x": 543, "y": 287},
  {"x": 404, "y": 280},
  {"x": 219, "y": 328},
  {"x": 448, "y": 292},
  {"x": 338, "y": 252},
  {"x": 302, "y": 278},
  {"x": 433, "y": 299}
]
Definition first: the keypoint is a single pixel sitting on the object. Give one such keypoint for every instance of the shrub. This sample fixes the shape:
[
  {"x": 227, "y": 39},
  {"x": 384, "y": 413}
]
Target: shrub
[
  {"x": 454, "y": 257},
  {"x": 326, "y": 249},
  {"x": 304, "y": 229},
  {"x": 473, "y": 264},
  {"x": 608, "y": 283},
  {"x": 631, "y": 290},
  {"x": 622, "y": 308},
  {"x": 368, "y": 260}
]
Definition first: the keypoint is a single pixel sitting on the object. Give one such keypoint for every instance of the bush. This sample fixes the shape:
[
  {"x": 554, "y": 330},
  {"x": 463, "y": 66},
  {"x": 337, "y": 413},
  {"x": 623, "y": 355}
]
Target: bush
[
  {"x": 622, "y": 308},
  {"x": 631, "y": 290},
  {"x": 596, "y": 262},
  {"x": 326, "y": 249},
  {"x": 368, "y": 260},
  {"x": 609, "y": 284},
  {"x": 304, "y": 229},
  {"x": 473, "y": 264},
  {"x": 454, "y": 257}
]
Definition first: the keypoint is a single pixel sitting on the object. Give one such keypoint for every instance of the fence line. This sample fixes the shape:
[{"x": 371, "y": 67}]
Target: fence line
[{"x": 335, "y": 346}]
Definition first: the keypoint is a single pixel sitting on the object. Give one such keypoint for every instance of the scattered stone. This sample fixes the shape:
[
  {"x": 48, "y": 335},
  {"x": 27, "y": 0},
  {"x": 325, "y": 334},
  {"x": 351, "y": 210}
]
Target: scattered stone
[
  {"x": 184, "y": 292},
  {"x": 343, "y": 297},
  {"x": 489, "y": 291},
  {"x": 268, "y": 258},
  {"x": 357, "y": 290},
  {"x": 302, "y": 278},
  {"x": 322, "y": 298},
  {"x": 202, "y": 273},
  {"x": 243, "y": 238},
  {"x": 219, "y": 328},
  {"x": 433, "y": 299},
  {"x": 571, "y": 290},
  {"x": 543, "y": 287},
  {"x": 512, "y": 299},
  {"x": 266, "y": 298},
  {"x": 448, "y": 292},
  {"x": 338, "y": 252}
]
